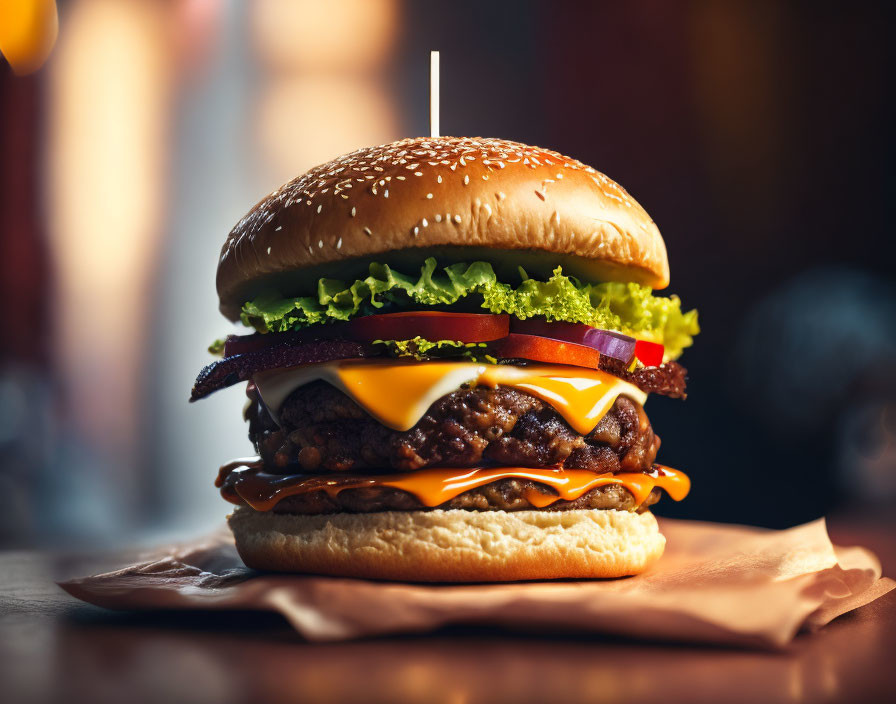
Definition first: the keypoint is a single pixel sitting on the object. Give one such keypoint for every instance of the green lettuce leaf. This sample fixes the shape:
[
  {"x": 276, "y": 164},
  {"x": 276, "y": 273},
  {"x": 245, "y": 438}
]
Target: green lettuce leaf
[
  {"x": 626, "y": 307},
  {"x": 420, "y": 348},
  {"x": 217, "y": 347}
]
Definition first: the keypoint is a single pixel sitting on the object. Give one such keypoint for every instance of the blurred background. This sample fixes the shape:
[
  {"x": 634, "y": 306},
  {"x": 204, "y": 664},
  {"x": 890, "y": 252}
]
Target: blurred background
[{"x": 758, "y": 135}]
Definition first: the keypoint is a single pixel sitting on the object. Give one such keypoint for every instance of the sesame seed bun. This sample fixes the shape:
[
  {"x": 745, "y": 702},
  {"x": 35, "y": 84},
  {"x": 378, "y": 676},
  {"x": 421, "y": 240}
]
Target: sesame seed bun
[
  {"x": 451, "y": 546},
  {"x": 456, "y": 198}
]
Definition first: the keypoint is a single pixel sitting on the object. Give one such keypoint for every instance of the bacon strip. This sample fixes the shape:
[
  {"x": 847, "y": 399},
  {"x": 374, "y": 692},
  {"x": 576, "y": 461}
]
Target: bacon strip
[
  {"x": 669, "y": 379},
  {"x": 241, "y": 367}
]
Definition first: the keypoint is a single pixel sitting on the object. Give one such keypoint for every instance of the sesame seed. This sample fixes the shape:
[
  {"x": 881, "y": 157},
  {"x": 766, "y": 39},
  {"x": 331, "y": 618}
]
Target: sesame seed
[
  {"x": 343, "y": 196},
  {"x": 418, "y": 173},
  {"x": 439, "y": 178},
  {"x": 310, "y": 251},
  {"x": 438, "y": 217},
  {"x": 320, "y": 244},
  {"x": 269, "y": 250},
  {"x": 339, "y": 243},
  {"x": 429, "y": 195},
  {"x": 400, "y": 178},
  {"x": 424, "y": 222},
  {"x": 457, "y": 219},
  {"x": 416, "y": 231},
  {"x": 320, "y": 207},
  {"x": 466, "y": 179},
  {"x": 367, "y": 231},
  {"x": 485, "y": 177},
  {"x": 373, "y": 190},
  {"x": 354, "y": 211},
  {"x": 278, "y": 228},
  {"x": 386, "y": 193}
]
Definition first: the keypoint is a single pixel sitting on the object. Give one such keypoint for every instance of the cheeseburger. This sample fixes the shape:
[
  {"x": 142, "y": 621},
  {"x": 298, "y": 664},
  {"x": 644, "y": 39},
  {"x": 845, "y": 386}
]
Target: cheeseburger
[{"x": 454, "y": 339}]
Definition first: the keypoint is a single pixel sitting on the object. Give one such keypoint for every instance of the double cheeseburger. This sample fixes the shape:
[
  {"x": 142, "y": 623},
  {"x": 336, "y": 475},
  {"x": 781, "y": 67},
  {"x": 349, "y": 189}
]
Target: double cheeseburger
[{"x": 454, "y": 341}]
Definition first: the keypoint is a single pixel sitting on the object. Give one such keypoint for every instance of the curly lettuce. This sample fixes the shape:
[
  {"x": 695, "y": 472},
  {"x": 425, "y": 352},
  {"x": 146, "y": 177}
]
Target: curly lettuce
[
  {"x": 626, "y": 307},
  {"x": 420, "y": 348}
]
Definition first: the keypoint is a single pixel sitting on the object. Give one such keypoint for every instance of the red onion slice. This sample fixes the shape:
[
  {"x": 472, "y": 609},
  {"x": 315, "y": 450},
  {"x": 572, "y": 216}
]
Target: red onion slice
[{"x": 612, "y": 344}]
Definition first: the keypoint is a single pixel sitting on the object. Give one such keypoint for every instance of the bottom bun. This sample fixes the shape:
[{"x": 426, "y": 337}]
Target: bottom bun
[{"x": 451, "y": 546}]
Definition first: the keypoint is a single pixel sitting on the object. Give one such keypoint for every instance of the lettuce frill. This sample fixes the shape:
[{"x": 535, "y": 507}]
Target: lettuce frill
[{"x": 625, "y": 307}]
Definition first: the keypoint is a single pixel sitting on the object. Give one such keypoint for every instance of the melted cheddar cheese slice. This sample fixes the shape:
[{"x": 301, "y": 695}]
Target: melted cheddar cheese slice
[{"x": 398, "y": 393}]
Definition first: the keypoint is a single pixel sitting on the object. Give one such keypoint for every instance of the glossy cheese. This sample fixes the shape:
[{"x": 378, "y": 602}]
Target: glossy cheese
[
  {"x": 247, "y": 482},
  {"x": 398, "y": 394}
]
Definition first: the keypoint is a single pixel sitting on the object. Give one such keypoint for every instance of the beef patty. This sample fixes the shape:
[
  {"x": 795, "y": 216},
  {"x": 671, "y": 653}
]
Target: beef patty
[{"x": 323, "y": 430}]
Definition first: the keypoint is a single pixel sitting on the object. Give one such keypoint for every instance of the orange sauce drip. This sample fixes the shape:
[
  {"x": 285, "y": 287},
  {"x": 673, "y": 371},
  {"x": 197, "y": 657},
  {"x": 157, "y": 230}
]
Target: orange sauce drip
[{"x": 434, "y": 486}]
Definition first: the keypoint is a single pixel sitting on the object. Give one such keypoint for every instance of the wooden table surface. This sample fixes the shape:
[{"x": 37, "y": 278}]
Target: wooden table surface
[{"x": 54, "y": 648}]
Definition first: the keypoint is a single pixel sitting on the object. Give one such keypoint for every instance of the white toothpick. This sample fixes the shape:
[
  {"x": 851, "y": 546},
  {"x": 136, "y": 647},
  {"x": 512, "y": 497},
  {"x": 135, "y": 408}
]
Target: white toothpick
[{"x": 433, "y": 94}]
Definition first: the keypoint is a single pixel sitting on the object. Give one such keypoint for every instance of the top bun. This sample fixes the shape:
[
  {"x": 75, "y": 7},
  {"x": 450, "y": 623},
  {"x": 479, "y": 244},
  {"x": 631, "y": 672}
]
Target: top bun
[{"x": 456, "y": 198}]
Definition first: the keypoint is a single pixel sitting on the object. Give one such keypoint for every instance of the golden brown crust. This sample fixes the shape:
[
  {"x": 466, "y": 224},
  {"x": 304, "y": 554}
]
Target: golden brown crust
[
  {"x": 451, "y": 546},
  {"x": 457, "y": 198}
]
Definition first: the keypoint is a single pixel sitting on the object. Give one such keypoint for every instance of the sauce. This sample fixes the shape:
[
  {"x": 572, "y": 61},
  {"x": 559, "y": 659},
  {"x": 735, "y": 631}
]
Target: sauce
[{"x": 246, "y": 481}]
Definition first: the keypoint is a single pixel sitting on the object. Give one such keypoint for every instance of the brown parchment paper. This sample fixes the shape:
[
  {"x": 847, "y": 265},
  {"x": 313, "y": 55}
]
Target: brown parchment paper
[{"x": 715, "y": 584}]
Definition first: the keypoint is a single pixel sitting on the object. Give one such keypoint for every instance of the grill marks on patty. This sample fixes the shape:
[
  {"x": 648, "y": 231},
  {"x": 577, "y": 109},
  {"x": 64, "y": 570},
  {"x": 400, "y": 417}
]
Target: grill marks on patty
[{"x": 323, "y": 430}]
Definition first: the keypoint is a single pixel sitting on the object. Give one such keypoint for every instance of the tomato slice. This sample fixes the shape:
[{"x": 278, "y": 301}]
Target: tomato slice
[
  {"x": 607, "y": 342},
  {"x": 431, "y": 325},
  {"x": 544, "y": 349},
  {"x": 650, "y": 353}
]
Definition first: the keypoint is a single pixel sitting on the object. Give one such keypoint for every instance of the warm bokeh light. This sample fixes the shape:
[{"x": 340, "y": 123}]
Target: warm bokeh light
[
  {"x": 323, "y": 80},
  {"x": 28, "y": 31},
  {"x": 338, "y": 114},
  {"x": 338, "y": 35},
  {"x": 109, "y": 89}
]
